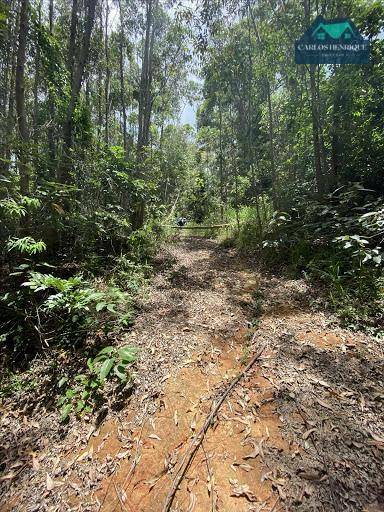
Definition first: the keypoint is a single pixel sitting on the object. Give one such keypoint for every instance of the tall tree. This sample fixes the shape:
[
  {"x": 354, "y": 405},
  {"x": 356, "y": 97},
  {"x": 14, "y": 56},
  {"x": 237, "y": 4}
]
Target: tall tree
[
  {"x": 76, "y": 73},
  {"x": 145, "y": 92},
  {"x": 23, "y": 153}
]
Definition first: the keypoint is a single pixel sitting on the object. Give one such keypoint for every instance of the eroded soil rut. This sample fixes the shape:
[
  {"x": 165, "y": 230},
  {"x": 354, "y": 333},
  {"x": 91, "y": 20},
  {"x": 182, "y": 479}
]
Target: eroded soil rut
[{"x": 302, "y": 431}]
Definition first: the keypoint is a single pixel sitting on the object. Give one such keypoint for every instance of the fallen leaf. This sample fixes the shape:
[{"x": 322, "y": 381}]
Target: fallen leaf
[
  {"x": 75, "y": 486},
  {"x": 84, "y": 455},
  {"x": 308, "y": 433},
  {"x": 377, "y": 444},
  {"x": 154, "y": 436},
  {"x": 175, "y": 418},
  {"x": 257, "y": 448},
  {"x": 152, "y": 482},
  {"x": 122, "y": 455},
  {"x": 50, "y": 483},
  {"x": 242, "y": 491},
  {"x": 377, "y": 438},
  {"x": 245, "y": 467},
  {"x": 8, "y": 476},
  {"x": 311, "y": 475},
  {"x": 193, "y": 423},
  {"x": 192, "y": 502},
  {"x": 59, "y": 209},
  {"x": 321, "y": 382},
  {"x": 282, "y": 494},
  {"x": 35, "y": 463},
  {"x": 324, "y": 404}
]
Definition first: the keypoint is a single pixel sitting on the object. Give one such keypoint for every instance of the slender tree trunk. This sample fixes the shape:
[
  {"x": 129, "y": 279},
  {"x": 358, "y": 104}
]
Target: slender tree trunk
[
  {"x": 145, "y": 105},
  {"x": 221, "y": 162},
  {"x": 122, "y": 83},
  {"x": 36, "y": 87},
  {"x": 250, "y": 117},
  {"x": 100, "y": 84},
  {"x": 314, "y": 102},
  {"x": 20, "y": 99},
  {"x": 270, "y": 111},
  {"x": 235, "y": 172},
  {"x": 335, "y": 133},
  {"x": 9, "y": 93},
  {"x": 145, "y": 99},
  {"x": 77, "y": 74},
  {"x": 316, "y": 131},
  {"x": 72, "y": 43},
  {"x": 107, "y": 74},
  {"x": 271, "y": 145},
  {"x": 51, "y": 104}
]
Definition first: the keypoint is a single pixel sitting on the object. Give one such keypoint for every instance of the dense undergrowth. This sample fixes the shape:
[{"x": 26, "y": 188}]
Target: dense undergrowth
[
  {"x": 70, "y": 276},
  {"x": 63, "y": 319},
  {"x": 335, "y": 242}
]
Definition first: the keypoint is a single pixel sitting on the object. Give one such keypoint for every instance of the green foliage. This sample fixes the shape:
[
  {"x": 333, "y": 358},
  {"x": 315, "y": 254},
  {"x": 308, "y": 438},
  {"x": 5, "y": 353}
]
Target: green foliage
[
  {"x": 307, "y": 238},
  {"x": 26, "y": 245},
  {"x": 79, "y": 300},
  {"x": 80, "y": 394},
  {"x": 143, "y": 243},
  {"x": 70, "y": 308},
  {"x": 14, "y": 209},
  {"x": 130, "y": 275},
  {"x": 113, "y": 360}
]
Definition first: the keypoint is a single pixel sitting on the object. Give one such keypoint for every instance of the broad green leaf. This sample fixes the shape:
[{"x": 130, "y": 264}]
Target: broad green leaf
[
  {"x": 128, "y": 353},
  {"x": 120, "y": 371},
  {"x": 80, "y": 406},
  {"x": 62, "y": 381},
  {"x": 65, "y": 412},
  {"x": 106, "y": 367},
  {"x": 100, "y": 306},
  {"x": 106, "y": 350}
]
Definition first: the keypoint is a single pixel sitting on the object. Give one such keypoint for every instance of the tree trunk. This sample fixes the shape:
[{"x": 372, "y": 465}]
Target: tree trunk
[
  {"x": 315, "y": 113},
  {"x": 145, "y": 106},
  {"x": 71, "y": 57},
  {"x": 9, "y": 93},
  {"x": 145, "y": 99},
  {"x": 77, "y": 73},
  {"x": 221, "y": 162},
  {"x": 107, "y": 74},
  {"x": 100, "y": 84},
  {"x": 20, "y": 99},
  {"x": 271, "y": 145},
  {"x": 51, "y": 104},
  {"x": 316, "y": 131},
  {"x": 36, "y": 86},
  {"x": 122, "y": 84},
  {"x": 335, "y": 133}
]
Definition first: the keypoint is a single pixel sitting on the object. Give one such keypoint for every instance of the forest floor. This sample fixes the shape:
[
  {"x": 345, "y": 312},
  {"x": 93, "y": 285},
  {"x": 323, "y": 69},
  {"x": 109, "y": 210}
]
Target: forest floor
[{"x": 301, "y": 431}]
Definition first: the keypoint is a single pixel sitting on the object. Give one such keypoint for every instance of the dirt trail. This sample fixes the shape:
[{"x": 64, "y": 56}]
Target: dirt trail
[{"x": 302, "y": 431}]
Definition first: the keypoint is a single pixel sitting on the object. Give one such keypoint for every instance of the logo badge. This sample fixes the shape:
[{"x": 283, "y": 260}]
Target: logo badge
[{"x": 332, "y": 42}]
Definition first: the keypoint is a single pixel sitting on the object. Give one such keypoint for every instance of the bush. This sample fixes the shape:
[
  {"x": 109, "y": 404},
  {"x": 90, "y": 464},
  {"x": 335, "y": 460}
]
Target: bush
[
  {"x": 307, "y": 239},
  {"x": 50, "y": 309}
]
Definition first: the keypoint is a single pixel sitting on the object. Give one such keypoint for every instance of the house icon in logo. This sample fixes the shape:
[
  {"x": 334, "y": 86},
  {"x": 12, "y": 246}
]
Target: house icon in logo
[{"x": 342, "y": 31}]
